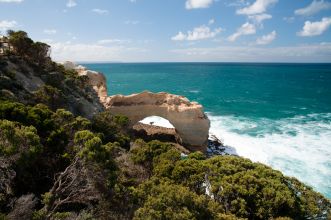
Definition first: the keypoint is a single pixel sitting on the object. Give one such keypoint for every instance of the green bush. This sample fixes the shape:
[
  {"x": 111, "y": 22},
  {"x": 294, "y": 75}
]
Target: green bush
[
  {"x": 13, "y": 111},
  {"x": 253, "y": 190},
  {"x": 91, "y": 149},
  {"x": 49, "y": 96},
  {"x": 166, "y": 200},
  {"x": 144, "y": 153},
  {"x": 18, "y": 139},
  {"x": 112, "y": 127},
  {"x": 240, "y": 187},
  {"x": 40, "y": 117}
]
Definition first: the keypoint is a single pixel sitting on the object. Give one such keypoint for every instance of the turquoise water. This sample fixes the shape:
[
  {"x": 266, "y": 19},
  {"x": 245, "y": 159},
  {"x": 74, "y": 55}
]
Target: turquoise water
[{"x": 278, "y": 114}]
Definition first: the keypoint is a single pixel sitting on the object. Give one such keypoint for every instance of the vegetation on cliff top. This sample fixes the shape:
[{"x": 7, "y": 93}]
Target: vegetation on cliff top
[{"x": 57, "y": 164}]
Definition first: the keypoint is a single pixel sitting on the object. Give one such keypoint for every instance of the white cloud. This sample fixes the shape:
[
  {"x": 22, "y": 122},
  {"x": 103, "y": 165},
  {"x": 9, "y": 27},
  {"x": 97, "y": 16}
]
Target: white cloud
[
  {"x": 315, "y": 7},
  {"x": 315, "y": 28},
  {"x": 179, "y": 37},
  {"x": 193, "y": 4},
  {"x": 237, "y": 3},
  {"x": 266, "y": 39},
  {"x": 47, "y": 41},
  {"x": 258, "y": 7},
  {"x": 289, "y": 19},
  {"x": 259, "y": 18},
  {"x": 133, "y": 1},
  {"x": 113, "y": 41},
  {"x": 211, "y": 21},
  {"x": 50, "y": 31},
  {"x": 94, "y": 53},
  {"x": 71, "y": 3},
  {"x": 301, "y": 53},
  {"x": 10, "y": 1},
  {"x": 6, "y": 25},
  {"x": 132, "y": 22},
  {"x": 62, "y": 51},
  {"x": 100, "y": 11},
  {"x": 245, "y": 29},
  {"x": 198, "y": 33}
]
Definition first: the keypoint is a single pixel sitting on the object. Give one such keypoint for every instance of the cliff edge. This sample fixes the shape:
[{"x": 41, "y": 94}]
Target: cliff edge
[
  {"x": 191, "y": 123},
  {"x": 188, "y": 118}
]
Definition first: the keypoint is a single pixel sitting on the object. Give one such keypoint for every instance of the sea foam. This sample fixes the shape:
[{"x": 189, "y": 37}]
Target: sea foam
[{"x": 298, "y": 146}]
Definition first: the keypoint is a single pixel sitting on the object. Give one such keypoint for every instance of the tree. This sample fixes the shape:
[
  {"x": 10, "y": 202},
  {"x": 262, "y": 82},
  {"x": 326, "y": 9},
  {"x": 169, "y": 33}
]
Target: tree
[
  {"x": 40, "y": 52},
  {"x": 21, "y": 42},
  {"x": 37, "y": 52}
]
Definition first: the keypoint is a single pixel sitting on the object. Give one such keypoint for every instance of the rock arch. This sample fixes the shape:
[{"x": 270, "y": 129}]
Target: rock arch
[{"x": 188, "y": 118}]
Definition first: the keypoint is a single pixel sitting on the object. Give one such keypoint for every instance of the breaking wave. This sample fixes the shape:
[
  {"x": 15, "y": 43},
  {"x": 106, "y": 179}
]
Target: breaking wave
[{"x": 298, "y": 146}]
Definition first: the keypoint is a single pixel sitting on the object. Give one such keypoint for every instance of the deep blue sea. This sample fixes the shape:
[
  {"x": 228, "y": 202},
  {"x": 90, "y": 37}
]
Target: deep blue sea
[{"x": 277, "y": 114}]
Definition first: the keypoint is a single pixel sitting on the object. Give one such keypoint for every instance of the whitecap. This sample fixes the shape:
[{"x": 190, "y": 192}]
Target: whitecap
[{"x": 298, "y": 146}]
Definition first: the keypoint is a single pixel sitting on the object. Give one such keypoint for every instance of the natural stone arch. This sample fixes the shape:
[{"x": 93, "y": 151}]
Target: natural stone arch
[
  {"x": 157, "y": 121},
  {"x": 188, "y": 118},
  {"x": 156, "y": 128}
]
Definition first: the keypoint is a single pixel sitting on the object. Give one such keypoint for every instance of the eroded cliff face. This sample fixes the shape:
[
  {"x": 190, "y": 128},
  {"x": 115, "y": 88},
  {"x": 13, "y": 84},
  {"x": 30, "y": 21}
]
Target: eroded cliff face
[
  {"x": 189, "y": 119},
  {"x": 30, "y": 84},
  {"x": 96, "y": 80}
]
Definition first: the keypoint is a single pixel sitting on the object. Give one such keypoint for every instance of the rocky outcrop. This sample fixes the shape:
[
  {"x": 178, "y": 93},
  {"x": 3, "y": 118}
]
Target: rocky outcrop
[
  {"x": 191, "y": 124},
  {"x": 30, "y": 84},
  {"x": 96, "y": 80}
]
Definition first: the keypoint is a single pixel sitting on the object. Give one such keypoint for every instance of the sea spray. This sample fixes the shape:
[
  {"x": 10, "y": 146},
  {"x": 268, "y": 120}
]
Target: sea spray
[{"x": 298, "y": 146}]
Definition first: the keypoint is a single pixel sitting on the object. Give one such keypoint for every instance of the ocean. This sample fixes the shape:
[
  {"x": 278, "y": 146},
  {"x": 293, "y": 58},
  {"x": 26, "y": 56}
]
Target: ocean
[{"x": 276, "y": 114}]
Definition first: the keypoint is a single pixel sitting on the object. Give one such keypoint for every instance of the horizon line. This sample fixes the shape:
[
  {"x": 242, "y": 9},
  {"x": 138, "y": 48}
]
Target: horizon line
[{"x": 194, "y": 62}]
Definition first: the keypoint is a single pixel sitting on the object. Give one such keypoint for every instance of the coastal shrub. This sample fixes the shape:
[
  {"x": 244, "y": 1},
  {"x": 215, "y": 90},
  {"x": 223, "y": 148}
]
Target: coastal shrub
[
  {"x": 190, "y": 173},
  {"x": 20, "y": 41},
  {"x": 25, "y": 47},
  {"x": 50, "y": 96},
  {"x": 144, "y": 153},
  {"x": 162, "y": 199},
  {"x": 91, "y": 149},
  {"x": 13, "y": 111},
  {"x": 164, "y": 164},
  {"x": 40, "y": 117},
  {"x": 255, "y": 191},
  {"x": 18, "y": 139},
  {"x": 112, "y": 128},
  {"x": 69, "y": 122},
  {"x": 69, "y": 74},
  {"x": 239, "y": 186},
  {"x": 197, "y": 155}
]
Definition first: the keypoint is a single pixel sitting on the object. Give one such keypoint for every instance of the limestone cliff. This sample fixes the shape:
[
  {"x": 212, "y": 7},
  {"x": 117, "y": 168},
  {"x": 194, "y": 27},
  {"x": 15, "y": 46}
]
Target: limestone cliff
[
  {"x": 191, "y": 124},
  {"x": 25, "y": 82},
  {"x": 96, "y": 80}
]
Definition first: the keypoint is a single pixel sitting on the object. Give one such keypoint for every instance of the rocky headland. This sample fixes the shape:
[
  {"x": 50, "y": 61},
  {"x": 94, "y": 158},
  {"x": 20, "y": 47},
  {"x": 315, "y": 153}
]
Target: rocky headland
[
  {"x": 66, "y": 153},
  {"x": 191, "y": 123}
]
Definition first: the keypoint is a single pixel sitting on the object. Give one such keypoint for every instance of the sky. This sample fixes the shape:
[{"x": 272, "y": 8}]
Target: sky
[{"x": 175, "y": 30}]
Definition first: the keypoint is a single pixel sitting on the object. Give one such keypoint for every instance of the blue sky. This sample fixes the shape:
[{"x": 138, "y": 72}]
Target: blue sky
[{"x": 176, "y": 30}]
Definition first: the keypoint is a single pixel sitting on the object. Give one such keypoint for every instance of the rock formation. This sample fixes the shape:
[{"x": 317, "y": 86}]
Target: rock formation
[
  {"x": 191, "y": 124},
  {"x": 96, "y": 80},
  {"x": 30, "y": 84}
]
